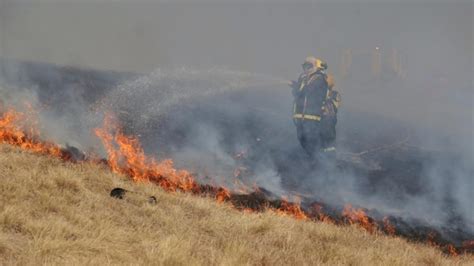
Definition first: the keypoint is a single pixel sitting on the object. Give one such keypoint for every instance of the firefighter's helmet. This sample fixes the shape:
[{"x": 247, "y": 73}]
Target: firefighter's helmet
[
  {"x": 309, "y": 63},
  {"x": 320, "y": 64},
  {"x": 312, "y": 62}
]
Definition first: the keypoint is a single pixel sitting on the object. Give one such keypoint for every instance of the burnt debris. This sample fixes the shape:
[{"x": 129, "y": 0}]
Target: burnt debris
[
  {"x": 118, "y": 193},
  {"x": 152, "y": 200},
  {"x": 71, "y": 153}
]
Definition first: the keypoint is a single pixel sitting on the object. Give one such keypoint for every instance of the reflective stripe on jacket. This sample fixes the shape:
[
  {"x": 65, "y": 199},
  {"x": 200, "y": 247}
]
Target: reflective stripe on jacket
[{"x": 310, "y": 96}]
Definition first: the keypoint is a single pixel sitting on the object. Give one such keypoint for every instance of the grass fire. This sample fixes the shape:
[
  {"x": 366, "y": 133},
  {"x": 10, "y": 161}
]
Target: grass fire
[
  {"x": 126, "y": 157},
  {"x": 236, "y": 133},
  {"x": 75, "y": 183}
]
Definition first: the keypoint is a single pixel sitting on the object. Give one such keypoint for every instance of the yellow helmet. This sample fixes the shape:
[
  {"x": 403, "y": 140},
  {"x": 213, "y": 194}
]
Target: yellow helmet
[
  {"x": 315, "y": 63},
  {"x": 320, "y": 64}
]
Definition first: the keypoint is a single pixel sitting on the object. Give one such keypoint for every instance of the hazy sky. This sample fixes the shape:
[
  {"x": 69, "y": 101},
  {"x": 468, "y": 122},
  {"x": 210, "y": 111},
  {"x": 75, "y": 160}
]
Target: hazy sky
[{"x": 435, "y": 38}]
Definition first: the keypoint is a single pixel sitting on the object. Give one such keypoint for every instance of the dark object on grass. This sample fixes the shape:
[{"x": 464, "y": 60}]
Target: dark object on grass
[
  {"x": 152, "y": 200},
  {"x": 73, "y": 154},
  {"x": 118, "y": 193}
]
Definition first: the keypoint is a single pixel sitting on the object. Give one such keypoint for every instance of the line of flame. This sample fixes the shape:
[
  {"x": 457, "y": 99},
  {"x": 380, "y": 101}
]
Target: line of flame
[{"x": 126, "y": 156}]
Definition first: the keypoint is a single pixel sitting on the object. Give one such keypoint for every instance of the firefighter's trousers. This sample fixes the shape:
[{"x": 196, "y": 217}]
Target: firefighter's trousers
[{"x": 317, "y": 137}]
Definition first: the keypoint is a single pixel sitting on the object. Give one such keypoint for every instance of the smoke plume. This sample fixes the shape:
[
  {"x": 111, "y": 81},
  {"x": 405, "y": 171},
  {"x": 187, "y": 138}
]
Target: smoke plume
[{"x": 405, "y": 141}]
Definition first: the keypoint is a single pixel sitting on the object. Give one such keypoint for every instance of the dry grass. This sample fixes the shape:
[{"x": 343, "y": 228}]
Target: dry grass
[{"x": 53, "y": 212}]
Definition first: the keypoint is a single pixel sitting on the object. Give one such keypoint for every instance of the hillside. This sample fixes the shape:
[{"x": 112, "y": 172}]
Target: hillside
[{"x": 55, "y": 212}]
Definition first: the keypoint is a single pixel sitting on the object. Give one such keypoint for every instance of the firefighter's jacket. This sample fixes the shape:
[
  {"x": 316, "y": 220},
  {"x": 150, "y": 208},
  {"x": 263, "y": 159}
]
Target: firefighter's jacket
[{"x": 314, "y": 98}]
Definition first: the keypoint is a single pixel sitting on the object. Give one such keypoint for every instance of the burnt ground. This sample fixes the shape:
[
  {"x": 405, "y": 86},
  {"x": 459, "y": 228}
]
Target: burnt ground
[{"x": 379, "y": 167}]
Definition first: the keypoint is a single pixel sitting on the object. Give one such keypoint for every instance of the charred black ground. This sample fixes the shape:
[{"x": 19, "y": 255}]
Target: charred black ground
[{"x": 377, "y": 158}]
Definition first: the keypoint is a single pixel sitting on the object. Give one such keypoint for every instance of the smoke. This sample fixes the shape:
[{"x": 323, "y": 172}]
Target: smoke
[
  {"x": 220, "y": 125},
  {"x": 59, "y": 98},
  {"x": 180, "y": 113},
  {"x": 405, "y": 137},
  {"x": 147, "y": 99},
  {"x": 216, "y": 122}
]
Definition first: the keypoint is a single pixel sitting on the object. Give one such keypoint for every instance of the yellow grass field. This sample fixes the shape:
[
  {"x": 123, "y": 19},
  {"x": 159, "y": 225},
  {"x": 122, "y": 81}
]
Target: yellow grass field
[{"x": 52, "y": 212}]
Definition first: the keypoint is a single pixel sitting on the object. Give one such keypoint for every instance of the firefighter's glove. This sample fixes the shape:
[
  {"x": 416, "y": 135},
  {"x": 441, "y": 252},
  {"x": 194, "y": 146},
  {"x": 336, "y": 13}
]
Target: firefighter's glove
[{"x": 293, "y": 84}]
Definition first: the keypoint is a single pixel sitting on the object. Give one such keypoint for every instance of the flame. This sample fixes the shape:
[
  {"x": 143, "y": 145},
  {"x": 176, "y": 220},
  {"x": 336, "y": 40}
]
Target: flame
[
  {"x": 19, "y": 129},
  {"x": 389, "y": 228},
  {"x": 449, "y": 248},
  {"x": 320, "y": 215},
  {"x": 126, "y": 156},
  {"x": 431, "y": 239},
  {"x": 452, "y": 250},
  {"x": 223, "y": 195},
  {"x": 291, "y": 209},
  {"x": 358, "y": 216}
]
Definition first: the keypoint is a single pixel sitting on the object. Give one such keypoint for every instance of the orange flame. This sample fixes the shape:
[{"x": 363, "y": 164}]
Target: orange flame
[
  {"x": 320, "y": 215},
  {"x": 358, "y": 216},
  {"x": 452, "y": 250},
  {"x": 291, "y": 209},
  {"x": 432, "y": 240},
  {"x": 223, "y": 195},
  {"x": 13, "y": 126},
  {"x": 126, "y": 156},
  {"x": 389, "y": 228}
]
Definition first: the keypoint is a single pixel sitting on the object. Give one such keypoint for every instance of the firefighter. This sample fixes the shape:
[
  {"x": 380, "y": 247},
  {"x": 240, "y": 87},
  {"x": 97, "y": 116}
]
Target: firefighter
[{"x": 315, "y": 109}]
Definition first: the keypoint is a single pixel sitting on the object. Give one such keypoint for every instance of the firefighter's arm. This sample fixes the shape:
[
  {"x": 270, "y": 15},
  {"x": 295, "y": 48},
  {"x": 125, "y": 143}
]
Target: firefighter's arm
[{"x": 294, "y": 85}]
